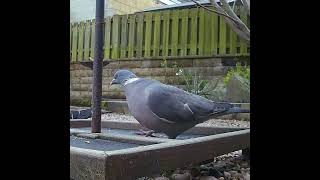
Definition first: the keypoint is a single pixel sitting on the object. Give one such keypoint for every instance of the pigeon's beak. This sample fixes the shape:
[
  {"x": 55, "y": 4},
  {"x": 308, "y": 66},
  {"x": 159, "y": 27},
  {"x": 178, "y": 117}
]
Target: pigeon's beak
[{"x": 114, "y": 81}]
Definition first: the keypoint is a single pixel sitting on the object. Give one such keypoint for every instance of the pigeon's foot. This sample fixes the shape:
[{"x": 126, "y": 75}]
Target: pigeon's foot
[{"x": 146, "y": 133}]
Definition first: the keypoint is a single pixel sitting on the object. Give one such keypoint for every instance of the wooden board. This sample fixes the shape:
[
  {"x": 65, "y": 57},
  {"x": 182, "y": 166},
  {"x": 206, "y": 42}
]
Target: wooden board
[
  {"x": 146, "y": 160},
  {"x": 107, "y": 38}
]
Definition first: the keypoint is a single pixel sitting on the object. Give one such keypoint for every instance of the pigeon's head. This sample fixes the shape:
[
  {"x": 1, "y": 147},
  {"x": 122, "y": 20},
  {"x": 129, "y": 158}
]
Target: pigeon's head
[{"x": 121, "y": 76}]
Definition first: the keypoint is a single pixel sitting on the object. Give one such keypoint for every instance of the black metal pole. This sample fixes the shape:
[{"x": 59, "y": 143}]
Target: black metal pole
[{"x": 97, "y": 69}]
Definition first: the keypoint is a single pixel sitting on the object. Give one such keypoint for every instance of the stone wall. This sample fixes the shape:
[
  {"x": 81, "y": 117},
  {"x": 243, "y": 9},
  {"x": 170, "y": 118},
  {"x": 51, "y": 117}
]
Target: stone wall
[{"x": 208, "y": 68}]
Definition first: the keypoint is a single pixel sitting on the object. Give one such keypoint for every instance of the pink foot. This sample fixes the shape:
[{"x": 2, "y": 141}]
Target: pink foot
[{"x": 145, "y": 133}]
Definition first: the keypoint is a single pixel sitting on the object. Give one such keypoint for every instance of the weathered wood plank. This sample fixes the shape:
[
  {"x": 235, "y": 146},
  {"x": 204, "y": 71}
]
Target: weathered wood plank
[
  {"x": 243, "y": 44},
  {"x": 131, "y": 45},
  {"x": 139, "y": 34},
  {"x": 166, "y": 22},
  {"x": 122, "y": 138},
  {"x": 147, "y": 47},
  {"x": 207, "y": 33},
  {"x": 233, "y": 42},
  {"x": 194, "y": 31},
  {"x": 214, "y": 33},
  {"x": 86, "y": 163},
  {"x": 174, "y": 32},
  {"x": 81, "y": 42},
  {"x": 124, "y": 28},
  {"x": 223, "y": 37},
  {"x": 107, "y": 38},
  {"x": 70, "y": 41},
  {"x": 115, "y": 36},
  {"x": 130, "y": 125},
  {"x": 74, "y": 42},
  {"x": 124, "y": 164},
  {"x": 87, "y": 40},
  {"x": 201, "y": 31},
  {"x": 156, "y": 34},
  {"x": 184, "y": 31}
]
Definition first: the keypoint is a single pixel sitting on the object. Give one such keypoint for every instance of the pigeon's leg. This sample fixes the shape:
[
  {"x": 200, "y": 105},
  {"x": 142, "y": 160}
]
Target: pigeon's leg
[
  {"x": 146, "y": 133},
  {"x": 172, "y": 137}
]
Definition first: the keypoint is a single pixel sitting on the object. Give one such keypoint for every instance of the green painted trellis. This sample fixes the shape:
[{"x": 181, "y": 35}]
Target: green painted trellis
[{"x": 184, "y": 32}]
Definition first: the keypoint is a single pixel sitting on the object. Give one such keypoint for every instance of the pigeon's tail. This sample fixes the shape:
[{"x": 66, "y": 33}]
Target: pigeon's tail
[{"x": 235, "y": 109}]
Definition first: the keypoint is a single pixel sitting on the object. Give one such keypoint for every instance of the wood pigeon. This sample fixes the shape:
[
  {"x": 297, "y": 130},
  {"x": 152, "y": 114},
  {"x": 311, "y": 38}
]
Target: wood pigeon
[{"x": 167, "y": 109}]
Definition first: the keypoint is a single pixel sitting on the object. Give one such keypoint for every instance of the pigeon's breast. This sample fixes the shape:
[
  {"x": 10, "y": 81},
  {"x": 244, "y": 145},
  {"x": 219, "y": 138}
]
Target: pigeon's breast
[{"x": 136, "y": 96}]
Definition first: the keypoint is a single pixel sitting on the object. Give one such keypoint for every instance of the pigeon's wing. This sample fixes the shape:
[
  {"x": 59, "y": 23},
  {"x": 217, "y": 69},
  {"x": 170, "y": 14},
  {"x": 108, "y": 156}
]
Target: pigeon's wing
[{"x": 174, "y": 105}]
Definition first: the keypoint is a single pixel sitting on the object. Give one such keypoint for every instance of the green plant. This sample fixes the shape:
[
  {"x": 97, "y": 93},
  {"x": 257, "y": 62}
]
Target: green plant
[
  {"x": 195, "y": 84},
  {"x": 238, "y": 71},
  {"x": 164, "y": 64},
  {"x": 211, "y": 89}
]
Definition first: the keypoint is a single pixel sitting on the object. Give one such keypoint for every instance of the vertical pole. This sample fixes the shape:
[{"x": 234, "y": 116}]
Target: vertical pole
[{"x": 97, "y": 68}]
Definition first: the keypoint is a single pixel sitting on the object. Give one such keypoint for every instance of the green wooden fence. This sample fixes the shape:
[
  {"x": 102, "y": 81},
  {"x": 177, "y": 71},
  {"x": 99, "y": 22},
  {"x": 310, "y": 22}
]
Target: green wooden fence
[{"x": 185, "y": 32}]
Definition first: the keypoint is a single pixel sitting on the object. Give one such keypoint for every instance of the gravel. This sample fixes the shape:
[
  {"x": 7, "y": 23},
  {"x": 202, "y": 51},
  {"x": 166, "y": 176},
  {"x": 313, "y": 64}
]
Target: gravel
[
  {"x": 211, "y": 122},
  {"x": 231, "y": 166}
]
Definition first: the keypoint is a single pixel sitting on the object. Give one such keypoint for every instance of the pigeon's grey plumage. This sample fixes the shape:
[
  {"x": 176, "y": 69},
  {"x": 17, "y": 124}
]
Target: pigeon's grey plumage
[{"x": 165, "y": 108}]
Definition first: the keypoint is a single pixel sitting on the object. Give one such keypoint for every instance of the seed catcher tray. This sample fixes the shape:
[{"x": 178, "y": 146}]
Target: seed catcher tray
[{"x": 118, "y": 153}]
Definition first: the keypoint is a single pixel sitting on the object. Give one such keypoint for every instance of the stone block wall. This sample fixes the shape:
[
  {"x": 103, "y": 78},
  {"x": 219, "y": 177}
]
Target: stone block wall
[{"x": 208, "y": 68}]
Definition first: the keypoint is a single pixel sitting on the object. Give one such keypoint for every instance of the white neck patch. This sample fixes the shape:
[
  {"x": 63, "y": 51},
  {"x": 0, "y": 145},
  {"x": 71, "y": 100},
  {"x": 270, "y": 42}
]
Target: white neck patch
[{"x": 130, "y": 81}]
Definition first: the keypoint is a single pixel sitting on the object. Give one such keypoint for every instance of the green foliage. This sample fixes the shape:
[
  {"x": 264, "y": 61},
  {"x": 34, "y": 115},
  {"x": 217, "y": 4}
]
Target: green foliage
[
  {"x": 237, "y": 82},
  {"x": 238, "y": 71},
  {"x": 218, "y": 92},
  {"x": 83, "y": 102},
  {"x": 196, "y": 85},
  {"x": 164, "y": 64}
]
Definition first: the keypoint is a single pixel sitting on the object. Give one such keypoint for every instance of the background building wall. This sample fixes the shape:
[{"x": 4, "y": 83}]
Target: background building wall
[{"x": 81, "y": 10}]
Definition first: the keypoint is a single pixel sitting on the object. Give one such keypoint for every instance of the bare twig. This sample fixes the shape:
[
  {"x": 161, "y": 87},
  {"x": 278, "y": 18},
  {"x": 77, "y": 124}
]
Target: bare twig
[
  {"x": 246, "y": 4},
  {"x": 229, "y": 11},
  {"x": 223, "y": 14},
  {"x": 237, "y": 26},
  {"x": 234, "y": 3}
]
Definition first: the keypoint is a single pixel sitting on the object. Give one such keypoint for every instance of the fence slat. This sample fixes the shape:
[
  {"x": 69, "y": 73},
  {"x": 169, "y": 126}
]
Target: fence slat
[
  {"x": 124, "y": 36},
  {"x": 74, "y": 42},
  {"x": 93, "y": 27},
  {"x": 222, "y": 35},
  {"x": 87, "y": 41},
  {"x": 139, "y": 34},
  {"x": 81, "y": 41},
  {"x": 207, "y": 33},
  {"x": 233, "y": 42},
  {"x": 201, "y": 31},
  {"x": 115, "y": 36},
  {"x": 175, "y": 33},
  {"x": 214, "y": 33},
  {"x": 243, "y": 17},
  {"x": 132, "y": 22},
  {"x": 184, "y": 31},
  {"x": 147, "y": 47},
  {"x": 156, "y": 40},
  {"x": 194, "y": 31},
  {"x": 70, "y": 40},
  {"x": 166, "y": 21},
  {"x": 107, "y": 38}
]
